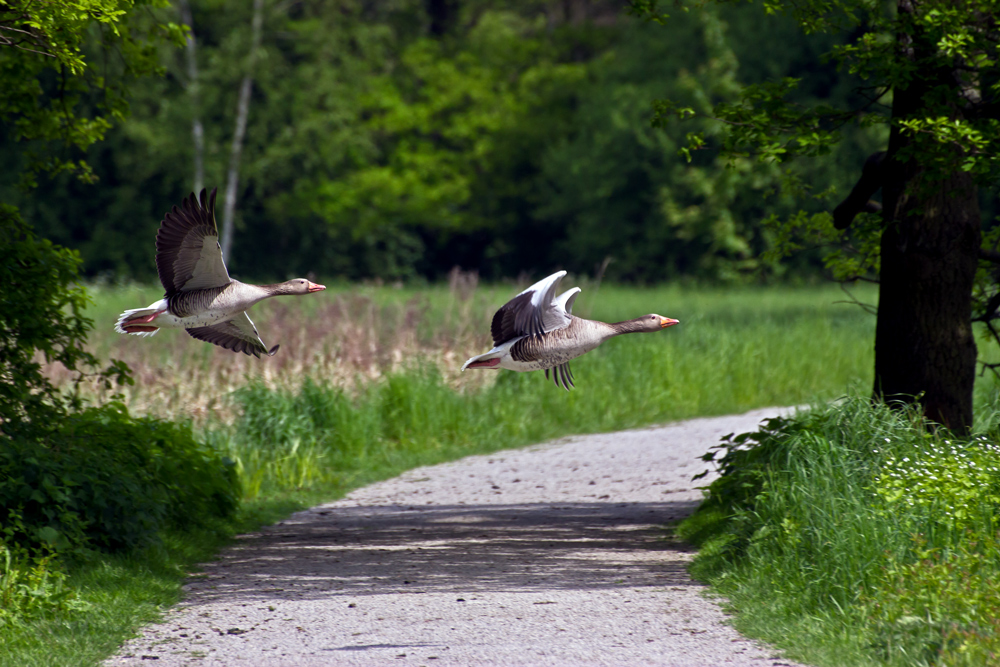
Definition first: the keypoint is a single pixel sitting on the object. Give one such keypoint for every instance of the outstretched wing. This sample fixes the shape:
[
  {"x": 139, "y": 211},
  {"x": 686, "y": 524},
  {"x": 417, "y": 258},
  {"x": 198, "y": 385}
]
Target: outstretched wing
[
  {"x": 238, "y": 334},
  {"x": 533, "y": 311},
  {"x": 561, "y": 375},
  {"x": 188, "y": 254}
]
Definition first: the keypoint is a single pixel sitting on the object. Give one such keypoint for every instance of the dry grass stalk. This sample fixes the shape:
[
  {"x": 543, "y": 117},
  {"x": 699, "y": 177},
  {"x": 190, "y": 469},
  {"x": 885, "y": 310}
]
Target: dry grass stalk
[{"x": 343, "y": 341}]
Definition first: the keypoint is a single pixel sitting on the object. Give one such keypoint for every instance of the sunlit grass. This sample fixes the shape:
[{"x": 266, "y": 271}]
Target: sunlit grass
[
  {"x": 853, "y": 535},
  {"x": 734, "y": 347}
]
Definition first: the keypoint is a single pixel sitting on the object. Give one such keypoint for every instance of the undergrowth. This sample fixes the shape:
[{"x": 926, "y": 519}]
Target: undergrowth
[{"x": 853, "y": 534}]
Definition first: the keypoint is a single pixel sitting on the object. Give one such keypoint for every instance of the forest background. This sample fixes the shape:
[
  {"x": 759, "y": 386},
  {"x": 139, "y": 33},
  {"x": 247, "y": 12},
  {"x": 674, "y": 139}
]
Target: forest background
[{"x": 397, "y": 140}]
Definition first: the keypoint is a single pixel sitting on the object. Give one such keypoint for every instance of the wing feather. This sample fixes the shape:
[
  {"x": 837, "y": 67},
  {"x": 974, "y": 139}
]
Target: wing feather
[
  {"x": 188, "y": 254},
  {"x": 561, "y": 375},
  {"x": 533, "y": 312},
  {"x": 238, "y": 334}
]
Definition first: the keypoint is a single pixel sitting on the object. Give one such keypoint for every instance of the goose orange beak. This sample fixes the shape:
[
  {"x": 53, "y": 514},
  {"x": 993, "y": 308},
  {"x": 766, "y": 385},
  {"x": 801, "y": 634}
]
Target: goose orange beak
[
  {"x": 313, "y": 287},
  {"x": 667, "y": 322}
]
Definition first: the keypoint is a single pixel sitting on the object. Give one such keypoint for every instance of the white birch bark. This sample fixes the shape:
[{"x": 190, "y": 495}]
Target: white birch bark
[
  {"x": 242, "y": 111},
  {"x": 197, "y": 129}
]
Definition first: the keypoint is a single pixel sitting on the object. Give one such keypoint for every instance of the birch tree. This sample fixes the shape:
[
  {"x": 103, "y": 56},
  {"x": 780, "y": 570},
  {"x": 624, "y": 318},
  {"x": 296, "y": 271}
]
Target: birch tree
[
  {"x": 197, "y": 129},
  {"x": 242, "y": 111}
]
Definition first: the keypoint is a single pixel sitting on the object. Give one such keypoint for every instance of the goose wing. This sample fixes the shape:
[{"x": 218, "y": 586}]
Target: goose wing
[
  {"x": 533, "y": 311},
  {"x": 188, "y": 254},
  {"x": 238, "y": 334}
]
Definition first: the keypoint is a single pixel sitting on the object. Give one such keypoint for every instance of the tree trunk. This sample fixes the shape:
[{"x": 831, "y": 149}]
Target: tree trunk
[
  {"x": 924, "y": 346},
  {"x": 197, "y": 130},
  {"x": 925, "y": 351},
  {"x": 242, "y": 111}
]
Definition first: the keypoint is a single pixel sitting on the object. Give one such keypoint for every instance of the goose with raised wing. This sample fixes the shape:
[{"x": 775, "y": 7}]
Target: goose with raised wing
[
  {"x": 200, "y": 296},
  {"x": 537, "y": 330}
]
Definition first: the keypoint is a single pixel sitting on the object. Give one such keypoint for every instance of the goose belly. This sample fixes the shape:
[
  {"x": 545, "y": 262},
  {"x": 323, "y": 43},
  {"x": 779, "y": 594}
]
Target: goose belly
[
  {"x": 532, "y": 356},
  {"x": 168, "y": 320}
]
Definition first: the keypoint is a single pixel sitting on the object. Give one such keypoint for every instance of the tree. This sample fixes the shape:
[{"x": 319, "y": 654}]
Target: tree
[
  {"x": 56, "y": 99},
  {"x": 928, "y": 74},
  {"x": 242, "y": 110},
  {"x": 56, "y": 102}
]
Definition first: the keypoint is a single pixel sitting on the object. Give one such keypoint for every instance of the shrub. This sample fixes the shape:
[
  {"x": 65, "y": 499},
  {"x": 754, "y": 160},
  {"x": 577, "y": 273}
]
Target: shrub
[
  {"x": 861, "y": 528},
  {"x": 41, "y": 314},
  {"x": 104, "y": 480}
]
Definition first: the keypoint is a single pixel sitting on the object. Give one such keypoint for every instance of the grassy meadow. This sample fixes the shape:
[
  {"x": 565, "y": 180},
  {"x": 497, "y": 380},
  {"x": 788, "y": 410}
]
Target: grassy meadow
[
  {"x": 734, "y": 349},
  {"x": 366, "y": 384}
]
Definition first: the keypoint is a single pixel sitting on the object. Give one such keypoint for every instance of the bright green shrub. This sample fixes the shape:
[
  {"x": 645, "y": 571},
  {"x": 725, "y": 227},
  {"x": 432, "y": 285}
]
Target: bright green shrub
[
  {"x": 949, "y": 480},
  {"x": 103, "y": 480}
]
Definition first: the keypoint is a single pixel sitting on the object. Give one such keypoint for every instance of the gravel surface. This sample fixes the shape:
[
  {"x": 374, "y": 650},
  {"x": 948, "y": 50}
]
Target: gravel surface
[{"x": 549, "y": 555}]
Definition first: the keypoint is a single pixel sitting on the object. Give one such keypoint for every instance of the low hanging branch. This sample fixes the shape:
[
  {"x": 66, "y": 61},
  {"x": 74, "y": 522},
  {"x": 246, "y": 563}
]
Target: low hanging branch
[{"x": 860, "y": 199}]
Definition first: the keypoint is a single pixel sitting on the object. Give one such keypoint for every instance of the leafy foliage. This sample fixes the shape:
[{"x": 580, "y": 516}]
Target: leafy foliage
[
  {"x": 56, "y": 95},
  {"x": 32, "y": 589},
  {"x": 106, "y": 481},
  {"x": 519, "y": 139},
  {"x": 41, "y": 312},
  {"x": 940, "y": 607}
]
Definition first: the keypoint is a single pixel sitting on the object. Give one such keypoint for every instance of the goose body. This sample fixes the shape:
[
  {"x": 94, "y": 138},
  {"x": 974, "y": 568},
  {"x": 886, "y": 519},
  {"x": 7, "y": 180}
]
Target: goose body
[
  {"x": 200, "y": 296},
  {"x": 536, "y": 330}
]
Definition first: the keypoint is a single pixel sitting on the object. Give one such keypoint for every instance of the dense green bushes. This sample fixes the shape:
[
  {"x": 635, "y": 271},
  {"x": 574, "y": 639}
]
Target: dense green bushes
[
  {"x": 75, "y": 480},
  {"x": 853, "y": 529},
  {"x": 106, "y": 481}
]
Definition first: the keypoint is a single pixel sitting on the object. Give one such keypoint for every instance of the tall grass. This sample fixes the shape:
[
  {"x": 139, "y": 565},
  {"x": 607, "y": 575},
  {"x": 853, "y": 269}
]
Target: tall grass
[
  {"x": 854, "y": 535},
  {"x": 734, "y": 355},
  {"x": 763, "y": 340}
]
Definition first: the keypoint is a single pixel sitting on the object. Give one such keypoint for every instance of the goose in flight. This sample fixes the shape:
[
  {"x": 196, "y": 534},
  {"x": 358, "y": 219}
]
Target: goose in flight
[
  {"x": 537, "y": 330},
  {"x": 200, "y": 296}
]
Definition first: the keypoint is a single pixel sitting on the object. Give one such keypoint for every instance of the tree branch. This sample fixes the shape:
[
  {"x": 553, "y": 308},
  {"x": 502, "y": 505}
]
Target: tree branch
[{"x": 859, "y": 200}]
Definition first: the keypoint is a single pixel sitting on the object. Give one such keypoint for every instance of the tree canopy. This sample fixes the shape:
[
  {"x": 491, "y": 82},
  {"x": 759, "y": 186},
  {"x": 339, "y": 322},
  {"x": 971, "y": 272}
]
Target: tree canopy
[
  {"x": 59, "y": 98},
  {"x": 381, "y": 144},
  {"x": 930, "y": 83}
]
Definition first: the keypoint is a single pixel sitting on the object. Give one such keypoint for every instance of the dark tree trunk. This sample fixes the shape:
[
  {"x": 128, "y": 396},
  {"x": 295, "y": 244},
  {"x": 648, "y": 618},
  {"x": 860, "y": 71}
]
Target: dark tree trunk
[{"x": 924, "y": 346}]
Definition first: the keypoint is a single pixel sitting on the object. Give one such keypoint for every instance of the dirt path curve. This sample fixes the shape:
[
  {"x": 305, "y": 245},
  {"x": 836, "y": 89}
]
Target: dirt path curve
[{"x": 549, "y": 555}]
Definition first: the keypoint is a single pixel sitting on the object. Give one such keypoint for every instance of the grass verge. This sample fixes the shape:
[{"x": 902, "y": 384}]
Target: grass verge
[{"x": 853, "y": 535}]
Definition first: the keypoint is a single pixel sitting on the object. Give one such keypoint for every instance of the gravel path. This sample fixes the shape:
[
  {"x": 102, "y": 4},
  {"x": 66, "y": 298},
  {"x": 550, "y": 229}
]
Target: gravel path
[{"x": 549, "y": 555}]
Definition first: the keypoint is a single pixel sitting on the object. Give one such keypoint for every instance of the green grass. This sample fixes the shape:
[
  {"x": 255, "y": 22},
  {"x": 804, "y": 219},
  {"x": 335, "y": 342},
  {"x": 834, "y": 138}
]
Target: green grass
[
  {"x": 376, "y": 390},
  {"x": 731, "y": 353},
  {"x": 852, "y": 535}
]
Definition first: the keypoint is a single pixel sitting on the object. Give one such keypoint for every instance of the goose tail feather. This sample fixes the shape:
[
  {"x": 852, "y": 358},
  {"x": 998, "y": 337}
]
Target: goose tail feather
[
  {"x": 489, "y": 359},
  {"x": 123, "y": 325}
]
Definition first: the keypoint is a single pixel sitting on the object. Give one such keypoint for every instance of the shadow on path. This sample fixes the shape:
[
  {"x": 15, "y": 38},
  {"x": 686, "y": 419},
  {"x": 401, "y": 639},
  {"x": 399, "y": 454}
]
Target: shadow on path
[{"x": 357, "y": 551}]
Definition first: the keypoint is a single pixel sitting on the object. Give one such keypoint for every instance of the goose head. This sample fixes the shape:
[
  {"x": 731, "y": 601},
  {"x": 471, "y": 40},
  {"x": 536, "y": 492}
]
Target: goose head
[
  {"x": 654, "y": 322},
  {"x": 299, "y": 286}
]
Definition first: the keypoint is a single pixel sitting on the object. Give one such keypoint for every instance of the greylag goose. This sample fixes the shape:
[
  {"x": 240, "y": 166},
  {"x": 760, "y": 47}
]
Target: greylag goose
[
  {"x": 537, "y": 330},
  {"x": 200, "y": 296}
]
